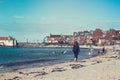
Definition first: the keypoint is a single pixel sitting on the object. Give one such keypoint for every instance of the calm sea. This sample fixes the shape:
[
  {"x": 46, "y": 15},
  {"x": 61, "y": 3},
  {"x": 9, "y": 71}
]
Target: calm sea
[{"x": 17, "y": 58}]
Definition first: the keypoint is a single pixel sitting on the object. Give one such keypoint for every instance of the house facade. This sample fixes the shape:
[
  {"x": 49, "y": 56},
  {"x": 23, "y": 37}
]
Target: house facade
[
  {"x": 83, "y": 37},
  {"x": 97, "y": 34},
  {"x": 53, "y": 38},
  {"x": 8, "y": 41},
  {"x": 59, "y": 39},
  {"x": 111, "y": 35}
]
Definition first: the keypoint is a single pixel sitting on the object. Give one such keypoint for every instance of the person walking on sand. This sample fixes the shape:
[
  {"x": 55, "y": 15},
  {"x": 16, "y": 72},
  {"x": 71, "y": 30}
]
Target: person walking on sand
[{"x": 76, "y": 50}]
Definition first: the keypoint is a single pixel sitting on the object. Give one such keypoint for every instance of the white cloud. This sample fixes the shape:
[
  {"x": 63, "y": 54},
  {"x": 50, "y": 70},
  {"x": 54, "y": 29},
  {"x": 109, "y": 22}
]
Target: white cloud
[{"x": 18, "y": 17}]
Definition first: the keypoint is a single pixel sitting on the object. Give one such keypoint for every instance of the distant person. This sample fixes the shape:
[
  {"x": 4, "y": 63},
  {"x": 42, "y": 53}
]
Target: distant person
[
  {"x": 103, "y": 50},
  {"x": 76, "y": 50},
  {"x": 99, "y": 51},
  {"x": 91, "y": 51}
]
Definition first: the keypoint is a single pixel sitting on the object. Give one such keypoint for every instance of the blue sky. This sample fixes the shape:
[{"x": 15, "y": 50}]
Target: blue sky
[{"x": 35, "y": 19}]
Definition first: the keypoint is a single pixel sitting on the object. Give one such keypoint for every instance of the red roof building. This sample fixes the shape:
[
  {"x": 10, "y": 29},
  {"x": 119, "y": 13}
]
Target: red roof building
[
  {"x": 3, "y": 38},
  {"x": 53, "y": 38},
  {"x": 97, "y": 34},
  {"x": 8, "y": 41},
  {"x": 111, "y": 34}
]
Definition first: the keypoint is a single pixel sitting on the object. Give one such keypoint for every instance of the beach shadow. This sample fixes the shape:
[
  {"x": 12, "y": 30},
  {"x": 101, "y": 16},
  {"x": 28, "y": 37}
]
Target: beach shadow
[
  {"x": 58, "y": 70},
  {"x": 76, "y": 66}
]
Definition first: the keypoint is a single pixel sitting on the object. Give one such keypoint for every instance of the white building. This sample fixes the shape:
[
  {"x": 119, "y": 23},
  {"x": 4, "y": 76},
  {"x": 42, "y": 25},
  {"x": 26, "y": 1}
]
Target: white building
[{"x": 8, "y": 41}]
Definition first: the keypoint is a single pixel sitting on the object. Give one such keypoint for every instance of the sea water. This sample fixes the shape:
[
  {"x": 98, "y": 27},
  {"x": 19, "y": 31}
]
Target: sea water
[{"x": 13, "y": 58}]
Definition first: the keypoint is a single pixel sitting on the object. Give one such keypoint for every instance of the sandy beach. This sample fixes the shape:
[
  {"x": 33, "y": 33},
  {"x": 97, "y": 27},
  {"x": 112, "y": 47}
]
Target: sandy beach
[{"x": 102, "y": 67}]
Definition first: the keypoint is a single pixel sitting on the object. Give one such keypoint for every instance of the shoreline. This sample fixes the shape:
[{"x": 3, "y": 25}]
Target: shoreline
[
  {"x": 65, "y": 46},
  {"x": 106, "y": 64},
  {"x": 19, "y": 65}
]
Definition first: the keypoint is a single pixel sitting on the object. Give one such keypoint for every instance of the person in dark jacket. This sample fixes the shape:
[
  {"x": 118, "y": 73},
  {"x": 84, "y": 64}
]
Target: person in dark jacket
[{"x": 76, "y": 50}]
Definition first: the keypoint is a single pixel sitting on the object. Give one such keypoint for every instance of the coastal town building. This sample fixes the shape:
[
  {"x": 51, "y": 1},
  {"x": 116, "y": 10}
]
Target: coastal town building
[
  {"x": 118, "y": 34},
  {"x": 8, "y": 41},
  {"x": 96, "y": 37},
  {"x": 83, "y": 37},
  {"x": 111, "y": 35},
  {"x": 102, "y": 42},
  {"x": 117, "y": 39},
  {"x": 53, "y": 38},
  {"x": 70, "y": 39},
  {"x": 67, "y": 39},
  {"x": 97, "y": 34},
  {"x": 60, "y": 39}
]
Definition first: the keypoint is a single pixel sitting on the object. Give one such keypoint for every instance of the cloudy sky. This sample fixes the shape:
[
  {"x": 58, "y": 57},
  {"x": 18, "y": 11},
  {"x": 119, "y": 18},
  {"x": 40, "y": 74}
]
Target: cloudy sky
[{"x": 35, "y": 19}]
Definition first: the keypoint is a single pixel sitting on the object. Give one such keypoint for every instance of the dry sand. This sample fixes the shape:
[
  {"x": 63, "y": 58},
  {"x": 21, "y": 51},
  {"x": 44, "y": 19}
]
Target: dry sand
[{"x": 103, "y": 67}]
